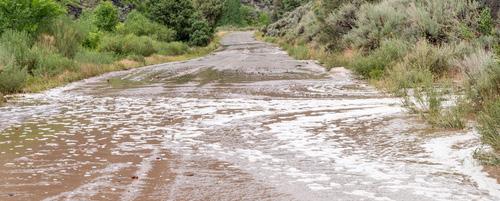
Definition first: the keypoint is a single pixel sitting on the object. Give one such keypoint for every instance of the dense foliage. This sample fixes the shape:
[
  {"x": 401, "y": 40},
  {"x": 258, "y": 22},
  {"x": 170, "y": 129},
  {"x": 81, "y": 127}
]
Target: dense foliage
[
  {"x": 49, "y": 41},
  {"x": 106, "y": 16},
  {"x": 27, "y": 15}
]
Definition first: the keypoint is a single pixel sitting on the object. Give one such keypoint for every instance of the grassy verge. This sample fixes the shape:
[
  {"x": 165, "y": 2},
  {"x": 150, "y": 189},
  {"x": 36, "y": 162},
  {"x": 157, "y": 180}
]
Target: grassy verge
[{"x": 87, "y": 69}]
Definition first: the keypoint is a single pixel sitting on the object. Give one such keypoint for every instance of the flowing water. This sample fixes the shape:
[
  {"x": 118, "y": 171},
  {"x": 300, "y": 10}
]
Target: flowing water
[{"x": 245, "y": 123}]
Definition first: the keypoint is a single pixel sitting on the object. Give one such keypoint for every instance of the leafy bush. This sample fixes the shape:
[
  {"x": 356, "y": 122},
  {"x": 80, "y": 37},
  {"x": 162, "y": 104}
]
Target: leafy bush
[
  {"x": 484, "y": 84},
  {"x": 374, "y": 65},
  {"x": 264, "y": 19},
  {"x": 106, "y": 16},
  {"x": 211, "y": 10},
  {"x": 94, "y": 57},
  {"x": 137, "y": 58},
  {"x": 68, "y": 36},
  {"x": 50, "y": 64},
  {"x": 376, "y": 22},
  {"x": 201, "y": 33},
  {"x": 238, "y": 15},
  {"x": 138, "y": 24},
  {"x": 172, "y": 48},
  {"x": 232, "y": 14},
  {"x": 12, "y": 79},
  {"x": 129, "y": 44},
  {"x": 486, "y": 24},
  {"x": 27, "y": 15},
  {"x": 16, "y": 50},
  {"x": 176, "y": 14},
  {"x": 299, "y": 51},
  {"x": 435, "y": 59},
  {"x": 336, "y": 25},
  {"x": 92, "y": 40},
  {"x": 489, "y": 127}
]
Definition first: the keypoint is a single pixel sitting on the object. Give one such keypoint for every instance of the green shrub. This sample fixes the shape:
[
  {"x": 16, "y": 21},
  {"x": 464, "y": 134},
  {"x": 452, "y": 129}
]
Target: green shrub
[
  {"x": 138, "y": 58},
  {"x": 138, "y": 24},
  {"x": 264, "y": 19},
  {"x": 336, "y": 25},
  {"x": 12, "y": 79},
  {"x": 374, "y": 65},
  {"x": 50, "y": 64},
  {"x": 94, "y": 57},
  {"x": 231, "y": 14},
  {"x": 127, "y": 45},
  {"x": 16, "y": 50},
  {"x": 106, "y": 16},
  {"x": 68, "y": 36},
  {"x": 484, "y": 84},
  {"x": 489, "y": 126},
  {"x": 27, "y": 15},
  {"x": 400, "y": 78},
  {"x": 435, "y": 59},
  {"x": 210, "y": 9},
  {"x": 201, "y": 33},
  {"x": 376, "y": 22},
  {"x": 299, "y": 51},
  {"x": 92, "y": 40},
  {"x": 439, "y": 22},
  {"x": 172, "y": 48},
  {"x": 175, "y": 14},
  {"x": 486, "y": 23}
]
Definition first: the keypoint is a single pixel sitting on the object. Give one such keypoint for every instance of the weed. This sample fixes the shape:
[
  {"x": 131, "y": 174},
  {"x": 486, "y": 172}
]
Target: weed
[
  {"x": 90, "y": 56},
  {"x": 489, "y": 126},
  {"x": 12, "y": 79}
]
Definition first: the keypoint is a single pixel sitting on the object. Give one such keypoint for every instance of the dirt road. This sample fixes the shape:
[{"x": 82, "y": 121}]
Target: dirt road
[{"x": 245, "y": 123}]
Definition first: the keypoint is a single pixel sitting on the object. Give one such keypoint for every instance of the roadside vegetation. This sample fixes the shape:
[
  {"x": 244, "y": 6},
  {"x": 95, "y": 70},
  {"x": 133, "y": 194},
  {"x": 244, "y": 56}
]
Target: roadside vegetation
[
  {"x": 441, "y": 57},
  {"x": 47, "y": 43}
]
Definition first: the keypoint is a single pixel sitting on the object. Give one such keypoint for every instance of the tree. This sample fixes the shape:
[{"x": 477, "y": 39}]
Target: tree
[
  {"x": 201, "y": 33},
  {"x": 106, "y": 16},
  {"x": 28, "y": 15},
  {"x": 176, "y": 14},
  {"x": 211, "y": 10}
]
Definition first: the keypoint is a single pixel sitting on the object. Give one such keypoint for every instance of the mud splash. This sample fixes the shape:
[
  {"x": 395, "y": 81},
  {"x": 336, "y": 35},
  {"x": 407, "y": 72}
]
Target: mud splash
[{"x": 246, "y": 123}]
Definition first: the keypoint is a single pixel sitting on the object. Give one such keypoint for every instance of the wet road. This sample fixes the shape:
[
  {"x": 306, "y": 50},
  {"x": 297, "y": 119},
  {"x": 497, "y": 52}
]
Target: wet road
[{"x": 245, "y": 123}]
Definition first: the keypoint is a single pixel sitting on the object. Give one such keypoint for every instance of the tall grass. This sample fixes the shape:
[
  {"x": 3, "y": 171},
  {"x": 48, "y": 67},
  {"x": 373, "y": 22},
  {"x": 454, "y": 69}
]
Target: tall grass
[
  {"x": 127, "y": 45},
  {"x": 489, "y": 126}
]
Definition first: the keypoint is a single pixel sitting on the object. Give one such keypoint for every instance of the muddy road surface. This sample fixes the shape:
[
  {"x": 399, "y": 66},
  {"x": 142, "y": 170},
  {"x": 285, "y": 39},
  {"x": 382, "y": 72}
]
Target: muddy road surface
[{"x": 244, "y": 123}]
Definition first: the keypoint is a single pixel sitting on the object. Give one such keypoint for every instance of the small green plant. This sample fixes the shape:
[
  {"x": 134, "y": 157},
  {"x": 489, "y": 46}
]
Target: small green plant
[
  {"x": 299, "y": 51},
  {"x": 486, "y": 23},
  {"x": 68, "y": 36},
  {"x": 16, "y": 50},
  {"x": 106, "y": 16},
  {"x": 172, "y": 48},
  {"x": 140, "y": 25},
  {"x": 138, "y": 58},
  {"x": 50, "y": 64},
  {"x": 202, "y": 33},
  {"x": 489, "y": 126},
  {"x": 487, "y": 157},
  {"x": 12, "y": 79},
  {"x": 374, "y": 64},
  {"x": 129, "y": 44},
  {"x": 93, "y": 40},
  {"x": 466, "y": 32},
  {"x": 175, "y": 14},
  {"x": 94, "y": 57}
]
